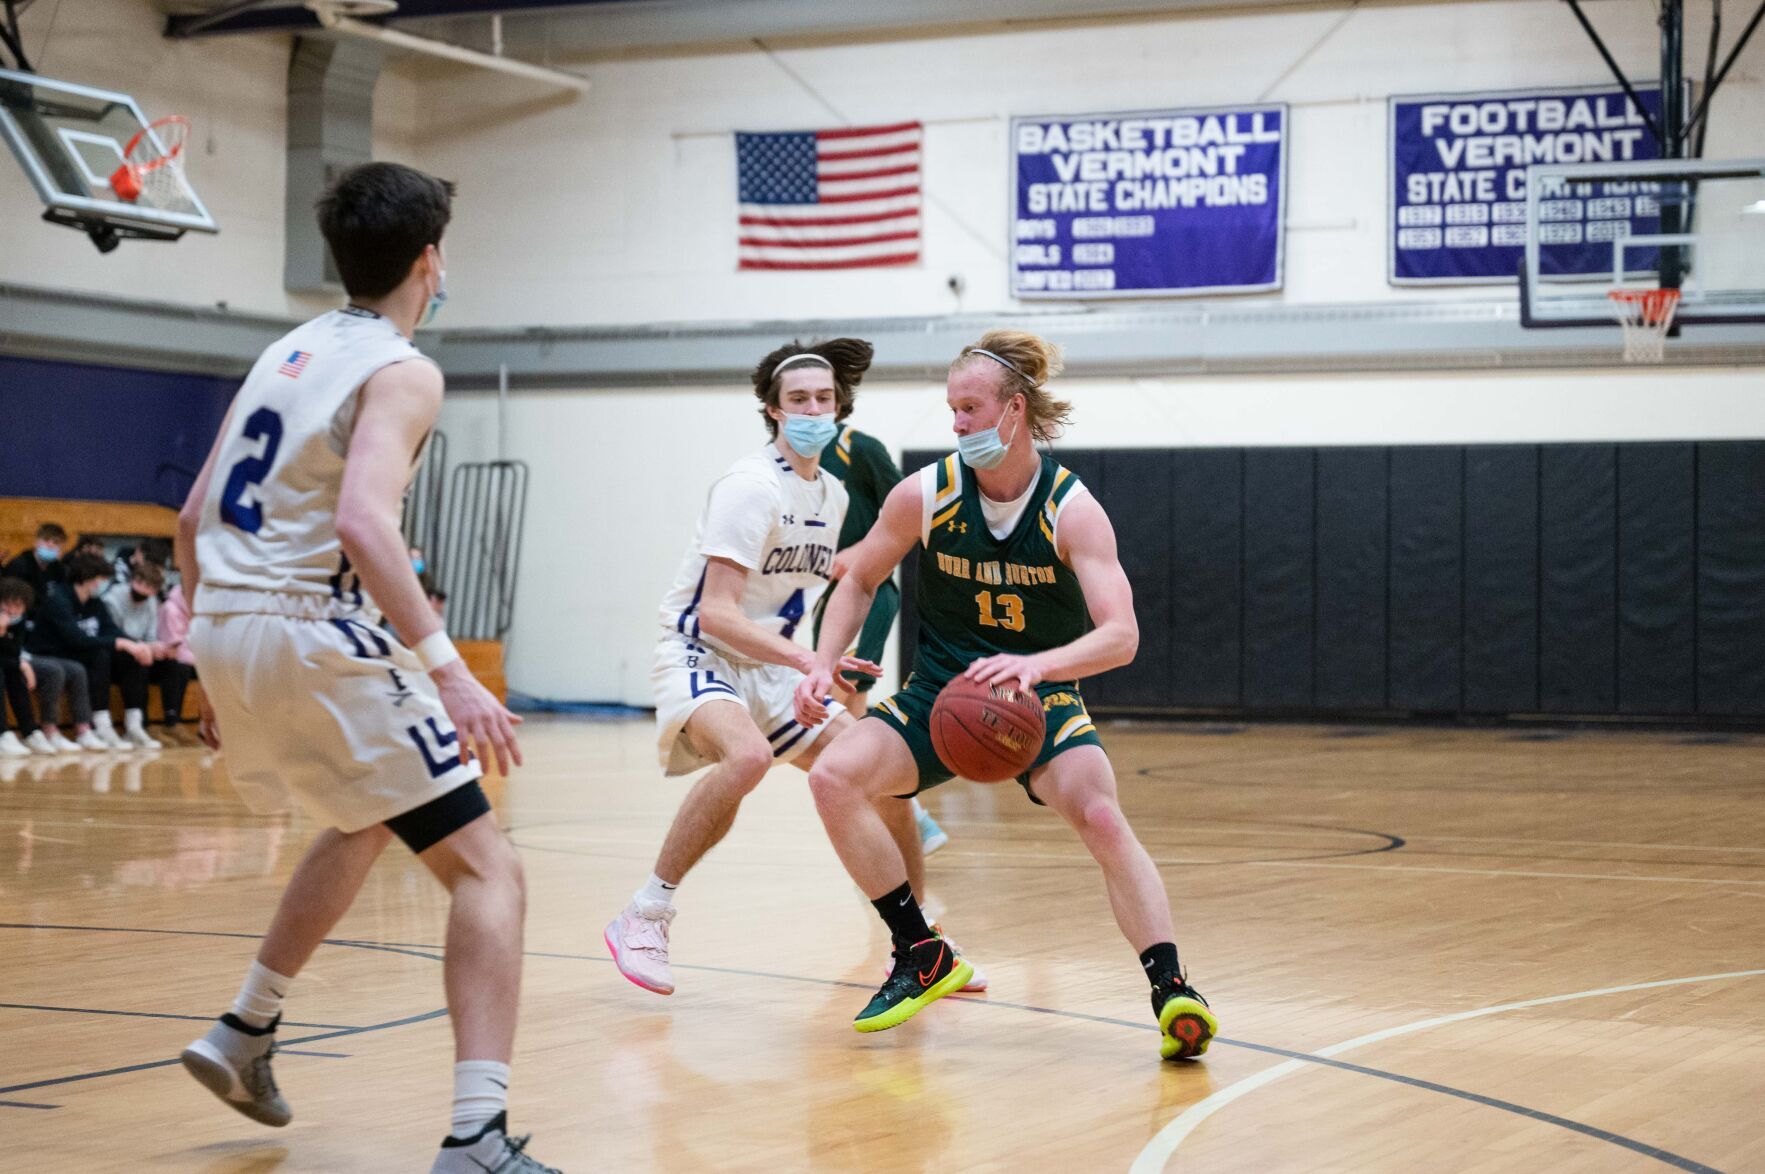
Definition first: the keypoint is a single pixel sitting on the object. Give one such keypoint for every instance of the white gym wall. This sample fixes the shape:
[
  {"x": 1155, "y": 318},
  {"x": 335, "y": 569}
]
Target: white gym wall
[{"x": 618, "y": 207}]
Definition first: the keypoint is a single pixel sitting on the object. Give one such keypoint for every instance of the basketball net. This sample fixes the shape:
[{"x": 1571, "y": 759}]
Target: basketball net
[
  {"x": 153, "y": 164},
  {"x": 1646, "y": 315}
]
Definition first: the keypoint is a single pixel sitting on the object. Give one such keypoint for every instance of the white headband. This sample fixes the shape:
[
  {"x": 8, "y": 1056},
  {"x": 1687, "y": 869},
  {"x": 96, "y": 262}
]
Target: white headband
[
  {"x": 804, "y": 355},
  {"x": 975, "y": 350}
]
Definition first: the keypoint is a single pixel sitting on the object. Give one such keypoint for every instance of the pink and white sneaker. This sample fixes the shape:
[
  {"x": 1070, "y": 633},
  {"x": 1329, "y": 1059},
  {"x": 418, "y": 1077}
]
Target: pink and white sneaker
[
  {"x": 976, "y": 983},
  {"x": 638, "y": 941}
]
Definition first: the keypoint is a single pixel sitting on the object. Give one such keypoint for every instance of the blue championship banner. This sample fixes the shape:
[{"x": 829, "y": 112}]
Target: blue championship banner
[
  {"x": 1161, "y": 202},
  {"x": 1458, "y": 181}
]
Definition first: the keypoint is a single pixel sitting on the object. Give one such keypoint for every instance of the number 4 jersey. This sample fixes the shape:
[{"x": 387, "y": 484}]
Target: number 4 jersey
[
  {"x": 268, "y": 541},
  {"x": 783, "y": 529}
]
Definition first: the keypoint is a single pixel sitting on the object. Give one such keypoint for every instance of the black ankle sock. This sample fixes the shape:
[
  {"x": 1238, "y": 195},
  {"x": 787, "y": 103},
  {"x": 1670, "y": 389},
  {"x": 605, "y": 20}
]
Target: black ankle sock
[
  {"x": 900, "y": 912},
  {"x": 239, "y": 1025},
  {"x": 1160, "y": 962}
]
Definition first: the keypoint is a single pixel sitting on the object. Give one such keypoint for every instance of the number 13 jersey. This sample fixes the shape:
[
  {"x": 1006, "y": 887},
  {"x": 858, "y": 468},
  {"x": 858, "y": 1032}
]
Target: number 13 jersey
[
  {"x": 267, "y": 541},
  {"x": 782, "y": 528}
]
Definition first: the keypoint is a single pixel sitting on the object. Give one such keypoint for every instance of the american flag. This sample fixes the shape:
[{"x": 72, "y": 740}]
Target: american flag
[
  {"x": 829, "y": 199},
  {"x": 294, "y": 364}
]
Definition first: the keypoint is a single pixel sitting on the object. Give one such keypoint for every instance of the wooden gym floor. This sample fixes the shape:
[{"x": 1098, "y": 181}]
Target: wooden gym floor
[{"x": 1429, "y": 950}]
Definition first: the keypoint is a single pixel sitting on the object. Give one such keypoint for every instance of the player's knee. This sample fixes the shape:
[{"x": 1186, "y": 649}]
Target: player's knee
[
  {"x": 1100, "y": 817},
  {"x": 829, "y": 784},
  {"x": 748, "y": 763}
]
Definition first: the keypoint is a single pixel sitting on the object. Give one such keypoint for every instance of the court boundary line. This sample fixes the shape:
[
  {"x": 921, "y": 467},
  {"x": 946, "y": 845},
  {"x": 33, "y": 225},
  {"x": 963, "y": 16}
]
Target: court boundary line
[
  {"x": 1158, "y": 1152},
  {"x": 140, "y": 1014},
  {"x": 1298, "y": 1060}
]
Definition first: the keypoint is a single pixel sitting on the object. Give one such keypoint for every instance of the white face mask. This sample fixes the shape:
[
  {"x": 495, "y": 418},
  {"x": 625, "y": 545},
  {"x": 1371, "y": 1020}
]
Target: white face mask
[{"x": 984, "y": 449}]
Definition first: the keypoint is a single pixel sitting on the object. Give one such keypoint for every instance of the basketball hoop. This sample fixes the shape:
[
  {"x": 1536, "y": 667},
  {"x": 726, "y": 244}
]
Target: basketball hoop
[
  {"x": 153, "y": 164},
  {"x": 1646, "y": 316}
]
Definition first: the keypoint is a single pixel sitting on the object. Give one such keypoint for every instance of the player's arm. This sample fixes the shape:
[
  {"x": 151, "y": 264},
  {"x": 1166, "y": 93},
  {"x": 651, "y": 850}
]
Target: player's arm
[
  {"x": 722, "y": 619},
  {"x": 1088, "y": 542},
  {"x": 397, "y": 408},
  {"x": 867, "y": 565},
  {"x": 190, "y": 518}
]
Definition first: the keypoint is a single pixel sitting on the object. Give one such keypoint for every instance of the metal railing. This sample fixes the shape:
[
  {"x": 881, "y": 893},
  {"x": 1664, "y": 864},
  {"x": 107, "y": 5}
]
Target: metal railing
[{"x": 478, "y": 553}]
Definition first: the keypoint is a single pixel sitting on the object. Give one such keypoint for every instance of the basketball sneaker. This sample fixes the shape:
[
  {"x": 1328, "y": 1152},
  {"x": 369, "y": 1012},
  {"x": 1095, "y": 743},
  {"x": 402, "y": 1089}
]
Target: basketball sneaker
[
  {"x": 233, "y": 1062},
  {"x": 977, "y": 982},
  {"x": 931, "y": 836},
  {"x": 493, "y": 1151},
  {"x": 638, "y": 941},
  {"x": 1185, "y": 1024},
  {"x": 922, "y": 974}
]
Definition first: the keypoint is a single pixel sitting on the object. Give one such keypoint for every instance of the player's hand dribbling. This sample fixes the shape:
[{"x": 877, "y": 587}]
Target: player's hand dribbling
[
  {"x": 992, "y": 670},
  {"x": 486, "y": 729}
]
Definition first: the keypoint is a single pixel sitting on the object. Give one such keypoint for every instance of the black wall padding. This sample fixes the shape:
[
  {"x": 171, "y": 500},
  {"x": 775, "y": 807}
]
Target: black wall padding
[
  {"x": 1139, "y": 502},
  {"x": 1207, "y": 555},
  {"x": 1731, "y": 577},
  {"x": 1501, "y": 579},
  {"x": 1596, "y": 579},
  {"x": 1657, "y": 570},
  {"x": 1348, "y": 670},
  {"x": 1578, "y": 578},
  {"x": 1278, "y": 578},
  {"x": 1426, "y": 633}
]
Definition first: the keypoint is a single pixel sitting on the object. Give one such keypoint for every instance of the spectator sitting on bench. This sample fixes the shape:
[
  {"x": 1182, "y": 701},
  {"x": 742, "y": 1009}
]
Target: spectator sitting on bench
[
  {"x": 129, "y": 559},
  {"x": 40, "y": 566},
  {"x": 72, "y": 625},
  {"x": 134, "y": 606},
  {"x": 16, "y": 598},
  {"x": 174, "y": 673}
]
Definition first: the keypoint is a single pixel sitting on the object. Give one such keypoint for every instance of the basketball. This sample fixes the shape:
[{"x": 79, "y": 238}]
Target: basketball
[{"x": 986, "y": 733}]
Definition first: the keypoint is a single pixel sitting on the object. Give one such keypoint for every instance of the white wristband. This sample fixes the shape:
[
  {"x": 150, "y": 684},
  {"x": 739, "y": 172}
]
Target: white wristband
[{"x": 435, "y": 650}]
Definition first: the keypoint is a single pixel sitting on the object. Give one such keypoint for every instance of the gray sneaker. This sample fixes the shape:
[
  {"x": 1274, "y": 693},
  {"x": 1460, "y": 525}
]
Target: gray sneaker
[
  {"x": 493, "y": 1151},
  {"x": 233, "y": 1062}
]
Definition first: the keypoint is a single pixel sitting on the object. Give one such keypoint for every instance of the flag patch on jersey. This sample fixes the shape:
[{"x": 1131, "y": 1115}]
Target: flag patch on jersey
[{"x": 294, "y": 364}]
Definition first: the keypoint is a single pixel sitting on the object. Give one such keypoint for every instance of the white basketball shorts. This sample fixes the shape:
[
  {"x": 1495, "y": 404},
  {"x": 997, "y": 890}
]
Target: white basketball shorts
[
  {"x": 689, "y": 674},
  {"x": 334, "y": 711}
]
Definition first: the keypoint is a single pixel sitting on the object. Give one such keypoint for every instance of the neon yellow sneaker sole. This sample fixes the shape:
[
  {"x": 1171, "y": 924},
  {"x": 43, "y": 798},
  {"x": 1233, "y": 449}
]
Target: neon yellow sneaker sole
[
  {"x": 1186, "y": 1027},
  {"x": 907, "y": 1008}
]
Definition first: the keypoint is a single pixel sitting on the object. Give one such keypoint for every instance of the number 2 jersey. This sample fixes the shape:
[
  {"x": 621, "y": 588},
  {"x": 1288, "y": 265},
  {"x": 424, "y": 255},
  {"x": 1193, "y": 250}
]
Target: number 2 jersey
[
  {"x": 267, "y": 541},
  {"x": 783, "y": 529}
]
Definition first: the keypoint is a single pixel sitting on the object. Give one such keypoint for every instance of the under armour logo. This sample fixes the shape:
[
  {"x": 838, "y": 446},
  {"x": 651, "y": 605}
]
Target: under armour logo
[{"x": 957, "y": 527}]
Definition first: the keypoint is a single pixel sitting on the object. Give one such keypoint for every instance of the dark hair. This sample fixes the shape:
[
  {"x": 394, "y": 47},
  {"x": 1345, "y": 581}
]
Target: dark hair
[
  {"x": 378, "y": 218},
  {"x": 150, "y": 574},
  {"x": 157, "y": 551},
  {"x": 81, "y": 567},
  {"x": 848, "y": 357},
  {"x": 17, "y": 591},
  {"x": 90, "y": 539},
  {"x": 52, "y": 531}
]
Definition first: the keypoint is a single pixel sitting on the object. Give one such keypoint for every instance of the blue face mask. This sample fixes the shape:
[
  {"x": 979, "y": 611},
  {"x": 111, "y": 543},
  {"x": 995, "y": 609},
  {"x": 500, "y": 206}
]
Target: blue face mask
[
  {"x": 810, "y": 434},
  {"x": 983, "y": 449},
  {"x": 436, "y": 300},
  {"x": 47, "y": 554},
  {"x": 419, "y": 566}
]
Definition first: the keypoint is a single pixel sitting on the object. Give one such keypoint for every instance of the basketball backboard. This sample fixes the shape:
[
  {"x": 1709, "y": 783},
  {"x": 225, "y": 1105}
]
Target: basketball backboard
[
  {"x": 70, "y": 139},
  {"x": 1697, "y": 225}
]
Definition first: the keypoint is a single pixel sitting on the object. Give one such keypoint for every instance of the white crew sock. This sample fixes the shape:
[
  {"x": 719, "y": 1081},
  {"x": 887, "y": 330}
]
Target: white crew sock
[
  {"x": 918, "y": 808},
  {"x": 260, "y": 1000},
  {"x": 481, "y": 1091},
  {"x": 101, "y": 722},
  {"x": 132, "y": 719},
  {"x": 657, "y": 892}
]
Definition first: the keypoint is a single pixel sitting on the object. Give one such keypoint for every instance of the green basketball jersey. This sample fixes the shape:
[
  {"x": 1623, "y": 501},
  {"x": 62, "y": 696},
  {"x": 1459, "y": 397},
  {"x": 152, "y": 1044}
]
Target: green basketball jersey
[
  {"x": 979, "y": 595},
  {"x": 861, "y": 461}
]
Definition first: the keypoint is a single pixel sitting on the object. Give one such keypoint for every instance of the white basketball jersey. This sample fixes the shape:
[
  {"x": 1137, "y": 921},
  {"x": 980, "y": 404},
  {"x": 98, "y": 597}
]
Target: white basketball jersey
[
  {"x": 268, "y": 541},
  {"x": 782, "y": 528}
]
